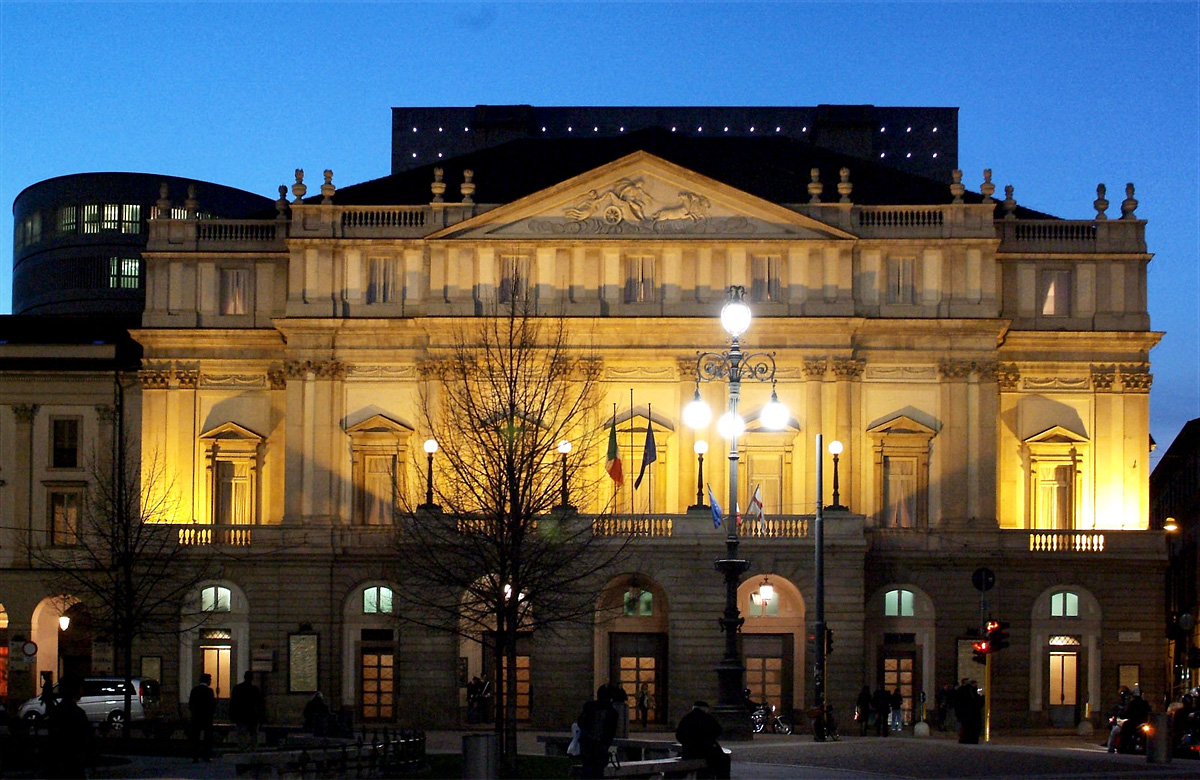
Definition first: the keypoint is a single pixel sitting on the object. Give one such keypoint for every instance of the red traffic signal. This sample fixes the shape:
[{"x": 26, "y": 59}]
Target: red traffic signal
[
  {"x": 997, "y": 635},
  {"x": 980, "y": 649}
]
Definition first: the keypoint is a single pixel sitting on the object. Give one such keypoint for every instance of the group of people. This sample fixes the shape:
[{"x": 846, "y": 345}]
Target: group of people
[
  {"x": 246, "y": 710},
  {"x": 1126, "y": 716},
  {"x": 885, "y": 710}
]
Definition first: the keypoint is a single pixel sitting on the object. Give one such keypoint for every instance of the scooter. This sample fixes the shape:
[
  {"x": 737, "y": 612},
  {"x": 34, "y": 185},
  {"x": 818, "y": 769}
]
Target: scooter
[{"x": 765, "y": 717}]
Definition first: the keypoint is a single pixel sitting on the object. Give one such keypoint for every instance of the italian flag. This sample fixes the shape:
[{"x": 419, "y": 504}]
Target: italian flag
[{"x": 612, "y": 463}]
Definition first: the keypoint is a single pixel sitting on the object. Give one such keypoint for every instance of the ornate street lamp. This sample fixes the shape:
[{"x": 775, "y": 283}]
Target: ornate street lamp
[
  {"x": 700, "y": 447},
  {"x": 732, "y": 366},
  {"x": 564, "y": 449},
  {"x": 431, "y": 446},
  {"x": 835, "y": 449}
]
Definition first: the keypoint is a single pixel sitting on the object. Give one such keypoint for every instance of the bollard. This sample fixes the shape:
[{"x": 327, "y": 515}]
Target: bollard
[
  {"x": 1158, "y": 746},
  {"x": 480, "y": 759}
]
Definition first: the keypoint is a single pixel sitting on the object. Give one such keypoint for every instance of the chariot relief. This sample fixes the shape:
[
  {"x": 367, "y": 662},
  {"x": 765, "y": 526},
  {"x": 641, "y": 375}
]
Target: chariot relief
[{"x": 626, "y": 207}]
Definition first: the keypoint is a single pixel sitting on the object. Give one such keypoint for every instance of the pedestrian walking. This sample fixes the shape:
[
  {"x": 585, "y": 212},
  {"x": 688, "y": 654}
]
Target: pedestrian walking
[
  {"x": 643, "y": 704},
  {"x": 202, "y": 705},
  {"x": 70, "y": 732},
  {"x": 246, "y": 710},
  {"x": 897, "y": 705},
  {"x": 881, "y": 701},
  {"x": 862, "y": 710},
  {"x": 597, "y": 729}
]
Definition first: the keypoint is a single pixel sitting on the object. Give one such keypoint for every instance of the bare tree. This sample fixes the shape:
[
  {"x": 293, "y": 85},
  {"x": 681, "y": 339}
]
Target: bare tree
[
  {"x": 501, "y": 552},
  {"x": 120, "y": 553}
]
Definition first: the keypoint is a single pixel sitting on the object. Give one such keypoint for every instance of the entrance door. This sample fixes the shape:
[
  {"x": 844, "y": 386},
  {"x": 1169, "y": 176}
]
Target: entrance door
[
  {"x": 769, "y": 669},
  {"x": 377, "y": 675},
  {"x": 1064, "y": 686},
  {"x": 524, "y": 675},
  {"x": 215, "y": 661},
  {"x": 641, "y": 659},
  {"x": 899, "y": 671}
]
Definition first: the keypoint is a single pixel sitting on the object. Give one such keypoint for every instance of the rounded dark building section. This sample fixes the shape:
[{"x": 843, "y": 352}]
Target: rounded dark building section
[{"x": 78, "y": 239}]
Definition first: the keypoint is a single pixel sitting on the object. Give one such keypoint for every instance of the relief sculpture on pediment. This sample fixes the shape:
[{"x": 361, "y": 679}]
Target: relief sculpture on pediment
[{"x": 625, "y": 208}]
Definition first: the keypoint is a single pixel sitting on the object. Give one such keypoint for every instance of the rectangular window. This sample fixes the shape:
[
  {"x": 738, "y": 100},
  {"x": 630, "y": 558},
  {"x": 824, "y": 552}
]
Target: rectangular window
[
  {"x": 233, "y": 492},
  {"x": 900, "y": 280},
  {"x": 381, "y": 282},
  {"x": 1055, "y": 293},
  {"x": 91, "y": 218},
  {"x": 1129, "y": 675},
  {"x": 1065, "y": 604},
  {"x": 900, "y": 492},
  {"x": 898, "y": 603},
  {"x": 30, "y": 230},
  {"x": 66, "y": 219},
  {"x": 767, "y": 286},
  {"x": 131, "y": 218},
  {"x": 1055, "y": 497},
  {"x": 65, "y": 508},
  {"x": 514, "y": 278},
  {"x": 112, "y": 217},
  {"x": 235, "y": 291},
  {"x": 65, "y": 435},
  {"x": 124, "y": 273},
  {"x": 639, "y": 279},
  {"x": 379, "y": 489}
]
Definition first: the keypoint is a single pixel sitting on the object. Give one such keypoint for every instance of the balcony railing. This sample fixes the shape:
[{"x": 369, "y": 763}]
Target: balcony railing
[
  {"x": 1067, "y": 236},
  {"x": 1066, "y": 541}
]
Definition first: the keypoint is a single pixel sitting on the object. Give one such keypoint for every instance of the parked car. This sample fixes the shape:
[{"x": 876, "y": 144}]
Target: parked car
[{"x": 103, "y": 700}]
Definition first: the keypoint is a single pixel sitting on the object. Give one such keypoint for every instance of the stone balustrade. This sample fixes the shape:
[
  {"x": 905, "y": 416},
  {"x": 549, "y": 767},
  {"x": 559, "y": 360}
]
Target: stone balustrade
[{"x": 1037, "y": 236}]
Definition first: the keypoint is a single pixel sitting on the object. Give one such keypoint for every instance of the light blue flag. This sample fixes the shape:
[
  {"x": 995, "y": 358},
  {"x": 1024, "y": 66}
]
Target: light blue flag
[{"x": 716, "y": 508}]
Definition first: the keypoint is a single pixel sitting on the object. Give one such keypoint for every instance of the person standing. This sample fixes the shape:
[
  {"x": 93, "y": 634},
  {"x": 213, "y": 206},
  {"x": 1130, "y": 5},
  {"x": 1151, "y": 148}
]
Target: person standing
[
  {"x": 698, "y": 733},
  {"x": 316, "y": 715},
  {"x": 969, "y": 710},
  {"x": 643, "y": 704},
  {"x": 862, "y": 709},
  {"x": 246, "y": 710},
  {"x": 897, "y": 704},
  {"x": 881, "y": 700},
  {"x": 202, "y": 705},
  {"x": 597, "y": 728},
  {"x": 70, "y": 732}
]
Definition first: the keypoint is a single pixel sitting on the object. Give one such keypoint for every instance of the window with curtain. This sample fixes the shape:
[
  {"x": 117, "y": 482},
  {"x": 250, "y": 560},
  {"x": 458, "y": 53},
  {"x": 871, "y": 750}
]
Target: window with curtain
[
  {"x": 514, "y": 278},
  {"x": 899, "y": 280},
  {"x": 381, "y": 280},
  {"x": 767, "y": 286},
  {"x": 639, "y": 279},
  {"x": 235, "y": 291},
  {"x": 1054, "y": 288},
  {"x": 66, "y": 506},
  {"x": 900, "y": 491}
]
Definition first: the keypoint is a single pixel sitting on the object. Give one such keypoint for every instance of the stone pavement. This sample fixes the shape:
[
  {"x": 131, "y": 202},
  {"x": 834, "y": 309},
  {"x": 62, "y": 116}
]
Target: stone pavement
[{"x": 776, "y": 757}]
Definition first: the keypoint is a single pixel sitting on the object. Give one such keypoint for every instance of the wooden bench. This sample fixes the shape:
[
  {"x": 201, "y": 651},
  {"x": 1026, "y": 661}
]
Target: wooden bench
[{"x": 657, "y": 767}]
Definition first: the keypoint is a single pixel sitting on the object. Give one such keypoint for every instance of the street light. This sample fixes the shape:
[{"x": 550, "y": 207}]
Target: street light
[
  {"x": 700, "y": 447},
  {"x": 564, "y": 449},
  {"x": 733, "y": 366},
  {"x": 64, "y": 622},
  {"x": 431, "y": 446},
  {"x": 835, "y": 449}
]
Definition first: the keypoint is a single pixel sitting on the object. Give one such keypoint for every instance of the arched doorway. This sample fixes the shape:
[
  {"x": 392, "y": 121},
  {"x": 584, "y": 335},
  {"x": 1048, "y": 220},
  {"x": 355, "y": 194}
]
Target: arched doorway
[
  {"x": 214, "y": 639},
  {"x": 62, "y": 651},
  {"x": 772, "y": 640},
  {"x": 369, "y": 652},
  {"x": 1064, "y": 654},
  {"x": 900, "y": 639},
  {"x": 632, "y": 641}
]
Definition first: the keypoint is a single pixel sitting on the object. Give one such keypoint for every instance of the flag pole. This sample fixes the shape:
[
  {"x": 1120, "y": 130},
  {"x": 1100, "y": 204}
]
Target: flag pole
[{"x": 650, "y": 473}]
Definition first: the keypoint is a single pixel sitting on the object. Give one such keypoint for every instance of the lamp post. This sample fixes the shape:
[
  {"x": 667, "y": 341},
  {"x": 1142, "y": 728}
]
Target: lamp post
[
  {"x": 819, "y": 574},
  {"x": 431, "y": 446},
  {"x": 732, "y": 366},
  {"x": 564, "y": 449},
  {"x": 835, "y": 449},
  {"x": 700, "y": 447}
]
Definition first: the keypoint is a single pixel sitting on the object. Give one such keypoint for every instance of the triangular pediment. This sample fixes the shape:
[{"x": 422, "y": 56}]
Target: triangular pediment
[
  {"x": 901, "y": 425},
  {"x": 641, "y": 195},
  {"x": 636, "y": 420},
  {"x": 1056, "y": 435},
  {"x": 231, "y": 431},
  {"x": 379, "y": 423}
]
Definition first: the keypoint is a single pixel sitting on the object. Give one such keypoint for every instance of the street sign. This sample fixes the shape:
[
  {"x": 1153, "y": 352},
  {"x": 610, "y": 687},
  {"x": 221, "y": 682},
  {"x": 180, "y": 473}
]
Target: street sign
[
  {"x": 983, "y": 579},
  {"x": 29, "y": 649}
]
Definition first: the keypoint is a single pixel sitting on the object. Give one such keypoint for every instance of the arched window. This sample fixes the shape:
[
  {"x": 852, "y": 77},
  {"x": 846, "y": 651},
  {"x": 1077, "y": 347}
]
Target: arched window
[
  {"x": 638, "y": 603},
  {"x": 1064, "y": 604},
  {"x": 377, "y": 600},
  {"x": 215, "y": 598},
  {"x": 898, "y": 603}
]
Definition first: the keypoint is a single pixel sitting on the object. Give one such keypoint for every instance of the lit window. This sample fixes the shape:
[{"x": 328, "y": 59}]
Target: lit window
[
  {"x": 235, "y": 291},
  {"x": 112, "y": 217},
  {"x": 131, "y": 218},
  {"x": 65, "y": 434},
  {"x": 760, "y": 607},
  {"x": 65, "y": 506},
  {"x": 91, "y": 218},
  {"x": 639, "y": 279},
  {"x": 1055, "y": 293},
  {"x": 377, "y": 600},
  {"x": 638, "y": 603},
  {"x": 231, "y": 453},
  {"x": 898, "y": 603},
  {"x": 900, "y": 492},
  {"x": 30, "y": 229},
  {"x": 1064, "y": 604},
  {"x": 215, "y": 598},
  {"x": 124, "y": 273}
]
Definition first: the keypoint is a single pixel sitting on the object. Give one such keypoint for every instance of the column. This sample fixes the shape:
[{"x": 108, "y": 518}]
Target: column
[
  {"x": 848, "y": 383},
  {"x": 22, "y": 505}
]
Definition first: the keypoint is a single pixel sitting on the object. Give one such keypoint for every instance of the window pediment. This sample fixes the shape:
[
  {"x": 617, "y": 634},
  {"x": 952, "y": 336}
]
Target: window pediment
[
  {"x": 379, "y": 426},
  {"x": 230, "y": 431},
  {"x": 902, "y": 426},
  {"x": 1056, "y": 435}
]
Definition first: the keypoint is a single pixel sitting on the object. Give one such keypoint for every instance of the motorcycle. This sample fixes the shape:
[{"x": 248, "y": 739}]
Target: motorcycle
[
  {"x": 1130, "y": 738},
  {"x": 765, "y": 717}
]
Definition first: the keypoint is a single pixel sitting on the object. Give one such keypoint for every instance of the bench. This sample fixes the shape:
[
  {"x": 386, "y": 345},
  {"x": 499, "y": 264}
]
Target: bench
[
  {"x": 626, "y": 749},
  {"x": 657, "y": 767},
  {"x": 399, "y": 753}
]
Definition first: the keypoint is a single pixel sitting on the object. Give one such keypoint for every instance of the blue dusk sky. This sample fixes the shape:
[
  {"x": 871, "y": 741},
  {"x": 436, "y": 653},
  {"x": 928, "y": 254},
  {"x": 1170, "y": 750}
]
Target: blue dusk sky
[{"x": 1054, "y": 97}]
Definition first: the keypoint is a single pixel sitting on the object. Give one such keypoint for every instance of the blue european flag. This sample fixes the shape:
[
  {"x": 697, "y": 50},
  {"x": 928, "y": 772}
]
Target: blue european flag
[{"x": 716, "y": 508}]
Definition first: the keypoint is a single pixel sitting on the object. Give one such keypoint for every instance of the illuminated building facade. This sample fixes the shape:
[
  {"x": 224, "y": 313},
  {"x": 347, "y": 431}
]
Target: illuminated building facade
[{"x": 984, "y": 365}]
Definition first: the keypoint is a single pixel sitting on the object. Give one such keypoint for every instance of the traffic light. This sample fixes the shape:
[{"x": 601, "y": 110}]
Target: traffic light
[
  {"x": 980, "y": 648},
  {"x": 997, "y": 635},
  {"x": 828, "y": 642}
]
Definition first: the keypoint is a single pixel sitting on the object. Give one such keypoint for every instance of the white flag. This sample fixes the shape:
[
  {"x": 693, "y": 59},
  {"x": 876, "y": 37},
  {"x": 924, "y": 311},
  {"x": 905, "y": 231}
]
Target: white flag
[{"x": 756, "y": 509}]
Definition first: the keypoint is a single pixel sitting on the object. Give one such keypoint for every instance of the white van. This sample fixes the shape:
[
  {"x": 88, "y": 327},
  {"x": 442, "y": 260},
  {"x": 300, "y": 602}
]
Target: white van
[{"x": 103, "y": 700}]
